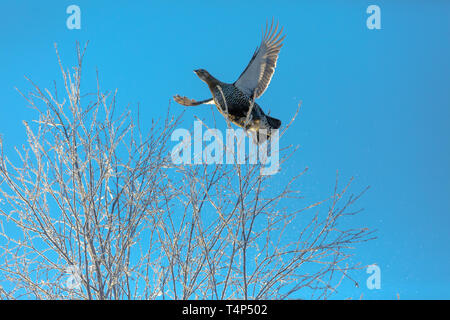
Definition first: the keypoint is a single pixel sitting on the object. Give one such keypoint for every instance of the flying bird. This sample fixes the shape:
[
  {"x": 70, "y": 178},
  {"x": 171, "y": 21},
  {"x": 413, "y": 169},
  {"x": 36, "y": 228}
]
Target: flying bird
[{"x": 235, "y": 101}]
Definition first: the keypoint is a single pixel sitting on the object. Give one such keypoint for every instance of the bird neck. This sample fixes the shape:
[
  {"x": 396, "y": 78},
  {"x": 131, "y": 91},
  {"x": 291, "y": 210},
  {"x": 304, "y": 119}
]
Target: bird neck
[{"x": 211, "y": 81}]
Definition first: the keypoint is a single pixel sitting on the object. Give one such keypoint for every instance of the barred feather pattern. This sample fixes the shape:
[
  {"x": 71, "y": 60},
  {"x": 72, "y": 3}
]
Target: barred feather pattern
[{"x": 238, "y": 105}]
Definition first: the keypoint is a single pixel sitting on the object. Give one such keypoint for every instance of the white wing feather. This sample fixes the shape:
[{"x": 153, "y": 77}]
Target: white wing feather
[{"x": 256, "y": 77}]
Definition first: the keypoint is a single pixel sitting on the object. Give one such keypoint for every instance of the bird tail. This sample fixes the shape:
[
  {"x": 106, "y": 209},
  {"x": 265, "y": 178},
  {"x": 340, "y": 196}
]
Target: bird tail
[{"x": 274, "y": 123}]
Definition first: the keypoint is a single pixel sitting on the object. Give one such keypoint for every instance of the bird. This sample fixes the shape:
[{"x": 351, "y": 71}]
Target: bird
[{"x": 236, "y": 101}]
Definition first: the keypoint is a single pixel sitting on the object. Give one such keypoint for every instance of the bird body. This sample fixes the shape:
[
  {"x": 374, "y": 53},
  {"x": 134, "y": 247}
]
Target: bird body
[
  {"x": 235, "y": 101},
  {"x": 236, "y": 107}
]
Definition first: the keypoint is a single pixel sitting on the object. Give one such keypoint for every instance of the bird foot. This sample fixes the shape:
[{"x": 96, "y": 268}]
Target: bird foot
[{"x": 185, "y": 101}]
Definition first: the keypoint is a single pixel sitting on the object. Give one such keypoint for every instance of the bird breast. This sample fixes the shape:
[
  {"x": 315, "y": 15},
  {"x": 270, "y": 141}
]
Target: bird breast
[{"x": 236, "y": 101}]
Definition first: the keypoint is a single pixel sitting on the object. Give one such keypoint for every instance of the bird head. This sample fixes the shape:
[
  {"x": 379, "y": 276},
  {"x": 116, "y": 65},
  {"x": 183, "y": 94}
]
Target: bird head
[{"x": 202, "y": 74}]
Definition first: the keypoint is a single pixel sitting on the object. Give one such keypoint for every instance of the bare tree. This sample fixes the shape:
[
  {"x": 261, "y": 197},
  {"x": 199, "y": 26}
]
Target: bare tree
[{"x": 95, "y": 209}]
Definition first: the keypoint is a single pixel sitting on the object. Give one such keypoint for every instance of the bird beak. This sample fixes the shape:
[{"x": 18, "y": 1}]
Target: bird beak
[{"x": 196, "y": 71}]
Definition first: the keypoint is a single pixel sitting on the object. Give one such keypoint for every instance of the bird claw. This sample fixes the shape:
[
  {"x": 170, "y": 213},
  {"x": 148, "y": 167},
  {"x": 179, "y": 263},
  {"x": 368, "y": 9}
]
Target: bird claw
[{"x": 185, "y": 101}]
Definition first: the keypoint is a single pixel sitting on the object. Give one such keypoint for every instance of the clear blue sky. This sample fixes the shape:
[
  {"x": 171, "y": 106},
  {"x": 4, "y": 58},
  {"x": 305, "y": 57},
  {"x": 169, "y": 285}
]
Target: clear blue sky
[{"x": 376, "y": 103}]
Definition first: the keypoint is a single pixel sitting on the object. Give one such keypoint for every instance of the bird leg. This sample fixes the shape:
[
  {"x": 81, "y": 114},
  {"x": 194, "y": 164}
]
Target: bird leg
[{"x": 185, "y": 101}]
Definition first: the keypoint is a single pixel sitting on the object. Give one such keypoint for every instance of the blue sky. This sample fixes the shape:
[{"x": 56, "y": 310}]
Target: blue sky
[{"x": 376, "y": 103}]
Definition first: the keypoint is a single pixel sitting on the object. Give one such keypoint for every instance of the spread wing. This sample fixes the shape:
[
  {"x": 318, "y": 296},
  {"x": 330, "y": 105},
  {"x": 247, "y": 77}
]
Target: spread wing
[
  {"x": 185, "y": 101},
  {"x": 256, "y": 77}
]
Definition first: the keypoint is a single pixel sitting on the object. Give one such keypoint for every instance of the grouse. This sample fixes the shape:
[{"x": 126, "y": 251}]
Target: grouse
[{"x": 235, "y": 101}]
